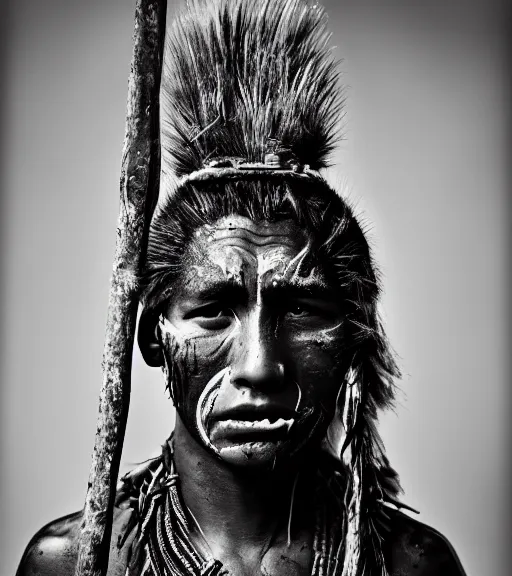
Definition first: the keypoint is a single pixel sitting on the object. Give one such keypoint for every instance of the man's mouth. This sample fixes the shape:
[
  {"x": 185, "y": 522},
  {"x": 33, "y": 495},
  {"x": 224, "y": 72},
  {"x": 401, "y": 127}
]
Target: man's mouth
[
  {"x": 246, "y": 424},
  {"x": 242, "y": 431}
]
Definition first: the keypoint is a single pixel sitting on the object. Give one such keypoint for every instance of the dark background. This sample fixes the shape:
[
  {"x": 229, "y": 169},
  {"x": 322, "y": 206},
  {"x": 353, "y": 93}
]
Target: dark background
[{"x": 425, "y": 160}]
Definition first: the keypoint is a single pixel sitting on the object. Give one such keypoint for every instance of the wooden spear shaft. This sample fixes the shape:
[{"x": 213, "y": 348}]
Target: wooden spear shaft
[{"x": 139, "y": 191}]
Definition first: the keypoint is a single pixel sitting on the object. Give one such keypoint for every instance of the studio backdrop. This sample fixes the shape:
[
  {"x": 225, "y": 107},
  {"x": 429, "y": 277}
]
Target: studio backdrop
[{"x": 424, "y": 160}]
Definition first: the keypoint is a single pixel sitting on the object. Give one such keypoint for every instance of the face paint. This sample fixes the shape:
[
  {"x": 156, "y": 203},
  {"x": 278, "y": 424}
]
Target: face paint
[
  {"x": 182, "y": 354},
  {"x": 252, "y": 342},
  {"x": 205, "y": 407}
]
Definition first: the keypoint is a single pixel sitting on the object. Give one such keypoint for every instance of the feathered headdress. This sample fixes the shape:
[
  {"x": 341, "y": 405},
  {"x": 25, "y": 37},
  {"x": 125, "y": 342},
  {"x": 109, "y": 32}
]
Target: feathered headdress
[
  {"x": 246, "y": 79},
  {"x": 250, "y": 92}
]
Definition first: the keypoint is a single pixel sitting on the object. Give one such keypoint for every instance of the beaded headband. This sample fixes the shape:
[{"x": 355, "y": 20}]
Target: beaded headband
[{"x": 273, "y": 168}]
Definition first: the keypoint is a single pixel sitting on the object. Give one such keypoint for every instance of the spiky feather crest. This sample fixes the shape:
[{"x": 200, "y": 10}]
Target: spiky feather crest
[{"x": 243, "y": 78}]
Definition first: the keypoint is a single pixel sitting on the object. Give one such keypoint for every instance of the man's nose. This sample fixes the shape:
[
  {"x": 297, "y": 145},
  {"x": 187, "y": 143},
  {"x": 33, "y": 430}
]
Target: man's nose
[{"x": 257, "y": 361}]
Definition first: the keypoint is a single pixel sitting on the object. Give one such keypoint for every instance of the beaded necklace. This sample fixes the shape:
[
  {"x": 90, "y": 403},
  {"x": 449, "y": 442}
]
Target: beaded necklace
[{"x": 164, "y": 547}]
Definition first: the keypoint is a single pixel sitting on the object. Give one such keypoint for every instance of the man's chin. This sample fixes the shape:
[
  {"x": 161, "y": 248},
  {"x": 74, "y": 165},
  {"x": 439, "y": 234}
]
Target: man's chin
[{"x": 250, "y": 454}]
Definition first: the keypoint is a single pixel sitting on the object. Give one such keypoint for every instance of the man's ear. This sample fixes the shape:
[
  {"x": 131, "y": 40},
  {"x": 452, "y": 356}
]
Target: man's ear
[{"x": 147, "y": 338}]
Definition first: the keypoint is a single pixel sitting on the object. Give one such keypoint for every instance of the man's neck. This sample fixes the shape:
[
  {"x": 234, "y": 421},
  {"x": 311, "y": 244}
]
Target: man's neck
[{"x": 232, "y": 507}]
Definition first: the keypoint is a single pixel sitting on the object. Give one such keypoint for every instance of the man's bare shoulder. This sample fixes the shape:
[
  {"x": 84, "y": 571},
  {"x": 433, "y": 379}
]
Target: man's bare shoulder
[
  {"x": 415, "y": 548},
  {"x": 53, "y": 550}
]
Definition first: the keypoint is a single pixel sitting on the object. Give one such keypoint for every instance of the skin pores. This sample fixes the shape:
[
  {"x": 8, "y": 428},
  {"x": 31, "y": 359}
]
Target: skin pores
[{"x": 253, "y": 342}]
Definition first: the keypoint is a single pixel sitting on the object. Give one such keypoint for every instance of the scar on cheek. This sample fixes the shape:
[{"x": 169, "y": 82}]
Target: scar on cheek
[{"x": 206, "y": 403}]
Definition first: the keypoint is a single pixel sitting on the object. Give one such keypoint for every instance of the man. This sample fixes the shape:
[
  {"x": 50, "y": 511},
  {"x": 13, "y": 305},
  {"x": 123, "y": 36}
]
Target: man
[{"x": 260, "y": 304}]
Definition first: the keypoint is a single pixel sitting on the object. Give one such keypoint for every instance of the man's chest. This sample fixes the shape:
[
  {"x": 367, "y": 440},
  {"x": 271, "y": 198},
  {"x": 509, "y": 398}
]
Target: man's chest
[
  {"x": 293, "y": 561},
  {"x": 280, "y": 560},
  {"x": 276, "y": 558}
]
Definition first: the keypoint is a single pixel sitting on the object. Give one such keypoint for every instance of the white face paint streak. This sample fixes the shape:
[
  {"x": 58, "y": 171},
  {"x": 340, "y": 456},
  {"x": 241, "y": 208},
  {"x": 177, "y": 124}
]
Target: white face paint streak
[
  {"x": 329, "y": 335},
  {"x": 235, "y": 330},
  {"x": 323, "y": 336},
  {"x": 267, "y": 263},
  {"x": 299, "y": 398},
  {"x": 328, "y": 330},
  {"x": 293, "y": 268},
  {"x": 229, "y": 260},
  {"x": 259, "y": 279},
  {"x": 167, "y": 327},
  {"x": 232, "y": 261},
  {"x": 205, "y": 405}
]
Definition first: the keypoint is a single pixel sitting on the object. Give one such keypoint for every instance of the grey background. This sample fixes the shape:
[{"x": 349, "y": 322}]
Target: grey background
[{"x": 425, "y": 161}]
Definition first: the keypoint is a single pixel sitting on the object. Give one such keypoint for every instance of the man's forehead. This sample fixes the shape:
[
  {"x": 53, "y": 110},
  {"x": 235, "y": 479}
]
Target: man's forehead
[
  {"x": 238, "y": 250},
  {"x": 240, "y": 230}
]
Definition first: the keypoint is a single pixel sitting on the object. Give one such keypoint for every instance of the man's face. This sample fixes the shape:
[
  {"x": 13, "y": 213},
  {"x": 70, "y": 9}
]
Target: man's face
[{"x": 252, "y": 341}]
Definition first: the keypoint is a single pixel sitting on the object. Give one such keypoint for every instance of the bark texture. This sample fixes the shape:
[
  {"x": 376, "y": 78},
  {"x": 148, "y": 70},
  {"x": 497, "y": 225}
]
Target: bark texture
[{"x": 139, "y": 191}]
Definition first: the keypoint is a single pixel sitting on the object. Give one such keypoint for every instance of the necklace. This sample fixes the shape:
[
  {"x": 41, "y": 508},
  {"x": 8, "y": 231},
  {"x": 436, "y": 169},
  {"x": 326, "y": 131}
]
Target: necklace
[{"x": 165, "y": 533}]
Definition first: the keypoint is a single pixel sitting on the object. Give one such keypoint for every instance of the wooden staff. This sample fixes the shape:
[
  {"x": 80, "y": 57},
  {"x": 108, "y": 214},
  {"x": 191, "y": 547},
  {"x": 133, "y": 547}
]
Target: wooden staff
[{"x": 139, "y": 192}]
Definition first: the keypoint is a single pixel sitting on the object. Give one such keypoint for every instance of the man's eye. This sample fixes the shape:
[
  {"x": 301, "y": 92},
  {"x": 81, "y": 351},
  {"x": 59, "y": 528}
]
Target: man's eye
[
  {"x": 299, "y": 310},
  {"x": 214, "y": 312},
  {"x": 208, "y": 311},
  {"x": 211, "y": 317}
]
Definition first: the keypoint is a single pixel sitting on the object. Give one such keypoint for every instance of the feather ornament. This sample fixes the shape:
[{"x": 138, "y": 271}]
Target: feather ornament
[{"x": 245, "y": 79}]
